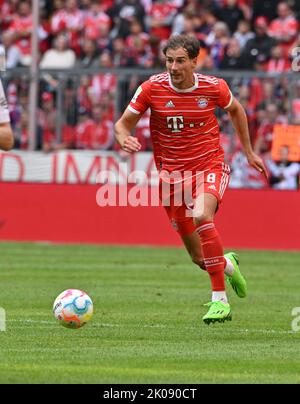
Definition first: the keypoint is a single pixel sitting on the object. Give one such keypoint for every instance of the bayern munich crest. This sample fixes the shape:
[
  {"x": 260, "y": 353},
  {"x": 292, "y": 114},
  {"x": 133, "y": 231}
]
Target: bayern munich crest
[{"x": 203, "y": 102}]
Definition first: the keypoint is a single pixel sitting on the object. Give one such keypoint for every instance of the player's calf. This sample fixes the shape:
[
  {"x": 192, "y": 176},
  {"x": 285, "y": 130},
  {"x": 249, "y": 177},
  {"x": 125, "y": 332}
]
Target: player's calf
[{"x": 198, "y": 260}]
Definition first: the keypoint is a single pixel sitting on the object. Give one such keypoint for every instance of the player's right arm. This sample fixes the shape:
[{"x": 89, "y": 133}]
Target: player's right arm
[
  {"x": 128, "y": 121},
  {"x": 6, "y": 137},
  {"x": 6, "y": 134},
  {"x": 123, "y": 130}
]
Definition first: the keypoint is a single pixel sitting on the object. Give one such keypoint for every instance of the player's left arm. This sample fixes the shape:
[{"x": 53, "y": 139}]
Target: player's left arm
[{"x": 238, "y": 117}]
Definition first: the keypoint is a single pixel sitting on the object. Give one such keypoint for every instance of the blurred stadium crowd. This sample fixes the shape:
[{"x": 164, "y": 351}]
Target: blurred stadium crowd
[{"x": 236, "y": 35}]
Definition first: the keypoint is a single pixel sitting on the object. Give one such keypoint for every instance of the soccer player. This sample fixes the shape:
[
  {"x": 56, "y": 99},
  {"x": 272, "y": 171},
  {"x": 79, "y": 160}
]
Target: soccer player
[
  {"x": 6, "y": 134},
  {"x": 186, "y": 139}
]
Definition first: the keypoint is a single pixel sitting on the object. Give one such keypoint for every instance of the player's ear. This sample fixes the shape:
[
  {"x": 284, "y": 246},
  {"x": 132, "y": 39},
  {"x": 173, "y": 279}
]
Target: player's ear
[{"x": 194, "y": 62}]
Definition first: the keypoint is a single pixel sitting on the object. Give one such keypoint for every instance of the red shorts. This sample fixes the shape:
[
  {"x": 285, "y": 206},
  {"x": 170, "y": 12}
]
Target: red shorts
[{"x": 180, "y": 204}]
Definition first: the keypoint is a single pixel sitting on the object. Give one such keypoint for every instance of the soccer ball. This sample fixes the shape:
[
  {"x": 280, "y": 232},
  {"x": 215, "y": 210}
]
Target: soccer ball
[{"x": 73, "y": 308}]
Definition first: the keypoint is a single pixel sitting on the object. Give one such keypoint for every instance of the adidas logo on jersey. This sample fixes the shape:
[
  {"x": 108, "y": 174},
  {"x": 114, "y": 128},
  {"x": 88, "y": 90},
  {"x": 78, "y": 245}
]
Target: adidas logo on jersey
[
  {"x": 212, "y": 187},
  {"x": 170, "y": 104}
]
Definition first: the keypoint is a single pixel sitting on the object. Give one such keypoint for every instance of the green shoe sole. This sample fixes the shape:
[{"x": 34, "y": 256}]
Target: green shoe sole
[{"x": 209, "y": 321}]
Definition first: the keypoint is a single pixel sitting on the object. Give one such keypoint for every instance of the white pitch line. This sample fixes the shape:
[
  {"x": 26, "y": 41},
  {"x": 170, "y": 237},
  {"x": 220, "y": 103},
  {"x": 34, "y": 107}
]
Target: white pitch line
[{"x": 159, "y": 326}]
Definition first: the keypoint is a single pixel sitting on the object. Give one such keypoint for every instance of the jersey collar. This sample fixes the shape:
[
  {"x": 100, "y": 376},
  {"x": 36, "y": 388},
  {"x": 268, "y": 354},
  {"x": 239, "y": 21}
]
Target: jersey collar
[{"x": 185, "y": 90}]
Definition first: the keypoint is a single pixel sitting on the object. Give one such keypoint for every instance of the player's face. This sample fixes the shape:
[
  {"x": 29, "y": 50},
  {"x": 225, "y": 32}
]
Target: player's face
[{"x": 180, "y": 67}]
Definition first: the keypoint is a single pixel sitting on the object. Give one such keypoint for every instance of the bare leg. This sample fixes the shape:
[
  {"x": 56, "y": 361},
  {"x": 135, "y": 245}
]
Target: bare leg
[{"x": 193, "y": 245}]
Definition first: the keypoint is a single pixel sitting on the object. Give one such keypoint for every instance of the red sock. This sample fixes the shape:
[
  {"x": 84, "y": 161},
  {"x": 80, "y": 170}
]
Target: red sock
[{"x": 213, "y": 255}]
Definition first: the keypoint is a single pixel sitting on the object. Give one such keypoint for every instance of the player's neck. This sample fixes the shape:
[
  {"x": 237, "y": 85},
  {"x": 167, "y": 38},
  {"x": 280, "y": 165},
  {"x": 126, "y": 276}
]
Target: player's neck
[{"x": 188, "y": 85}]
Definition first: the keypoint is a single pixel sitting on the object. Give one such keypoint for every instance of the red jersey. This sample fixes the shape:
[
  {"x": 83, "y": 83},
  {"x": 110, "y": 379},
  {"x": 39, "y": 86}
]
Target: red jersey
[
  {"x": 102, "y": 83},
  {"x": 287, "y": 27},
  {"x": 285, "y": 32},
  {"x": 162, "y": 14},
  {"x": 6, "y": 12},
  {"x": 95, "y": 135},
  {"x": 72, "y": 22},
  {"x": 23, "y": 24},
  {"x": 61, "y": 20},
  {"x": 94, "y": 24},
  {"x": 184, "y": 128}
]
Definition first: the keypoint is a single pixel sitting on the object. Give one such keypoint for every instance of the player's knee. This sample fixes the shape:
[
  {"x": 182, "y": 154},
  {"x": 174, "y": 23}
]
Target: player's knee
[{"x": 205, "y": 217}]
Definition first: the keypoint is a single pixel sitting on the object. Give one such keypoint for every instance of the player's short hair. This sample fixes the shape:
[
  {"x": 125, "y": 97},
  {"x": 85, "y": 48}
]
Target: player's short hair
[{"x": 188, "y": 42}]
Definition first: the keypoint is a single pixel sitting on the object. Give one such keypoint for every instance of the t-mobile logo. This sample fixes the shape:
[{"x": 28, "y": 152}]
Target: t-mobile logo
[{"x": 175, "y": 123}]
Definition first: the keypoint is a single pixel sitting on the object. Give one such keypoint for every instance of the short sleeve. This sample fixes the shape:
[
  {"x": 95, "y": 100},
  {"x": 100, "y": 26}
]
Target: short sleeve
[
  {"x": 141, "y": 99},
  {"x": 4, "y": 112},
  {"x": 225, "y": 97}
]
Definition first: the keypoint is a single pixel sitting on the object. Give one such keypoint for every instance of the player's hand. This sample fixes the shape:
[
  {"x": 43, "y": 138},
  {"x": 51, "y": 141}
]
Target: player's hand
[
  {"x": 256, "y": 162},
  {"x": 131, "y": 145}
]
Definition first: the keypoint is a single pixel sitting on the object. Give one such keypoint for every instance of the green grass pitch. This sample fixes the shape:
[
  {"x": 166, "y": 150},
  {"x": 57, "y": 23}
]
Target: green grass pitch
[{"x": 147, "y": 325}]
